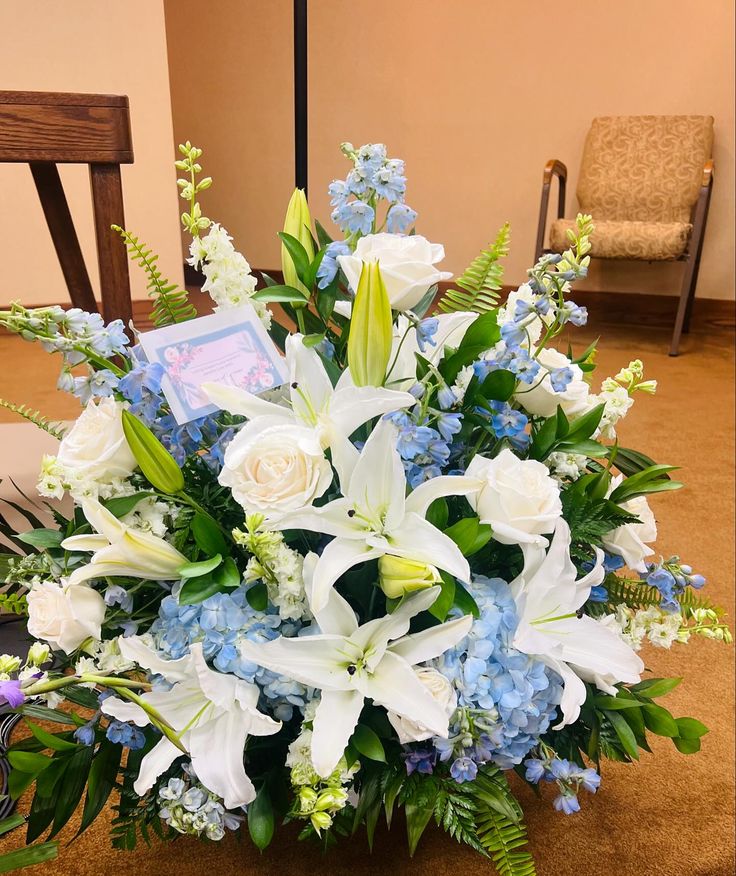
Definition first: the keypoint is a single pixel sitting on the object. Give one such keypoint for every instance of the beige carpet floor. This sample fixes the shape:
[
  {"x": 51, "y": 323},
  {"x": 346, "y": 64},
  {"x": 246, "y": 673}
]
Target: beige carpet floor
[{"x": 670, "y": 814}]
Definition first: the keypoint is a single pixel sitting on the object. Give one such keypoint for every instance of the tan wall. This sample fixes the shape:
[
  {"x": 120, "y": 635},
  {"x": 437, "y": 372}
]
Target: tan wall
[
  {"x": 88, "y": 46},
  {"x": 475, "y": 95}
]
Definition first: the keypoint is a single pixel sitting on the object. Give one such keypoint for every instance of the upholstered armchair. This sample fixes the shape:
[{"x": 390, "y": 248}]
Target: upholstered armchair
[{"x": 646, "y": 181}]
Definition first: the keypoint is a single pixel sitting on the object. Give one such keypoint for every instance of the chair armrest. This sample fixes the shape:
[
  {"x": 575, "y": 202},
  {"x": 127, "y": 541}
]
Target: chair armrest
[
  {"x": 708, "y": 170},
  {"x": 554, "y": 167}
]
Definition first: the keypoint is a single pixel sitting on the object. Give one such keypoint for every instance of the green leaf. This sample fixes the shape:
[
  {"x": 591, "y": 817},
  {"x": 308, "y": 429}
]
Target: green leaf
[
  {"x": 28, "y": 761},
  {"x": 257, "y": 596},
  {"x": 659, "y": 720},
  {"x": 366, "y": 741},
  {"x": 196, "y": 590},
  {"x": 10, "y": 823},
  {"x": 624, "y": 733},
  {"x": 125, "y": 504},
  {"x": 280, "y": 294},
  {"x": 71, "y": 788},
  {"x": 102, "y": 778},
  {"x": 322, "y": 236},
  {"x": 437, "y": 513},
  {"x": 157, "y": 464},
  {"x": 686, "y": 746},
  {"x": 629, "y": 462},
  {"x": 227, "y": 575},
  {"x": 208, "y": 535},
  {"x": 616, "y": 703},
  {"x": 10, "y": 862},
  {"x": 261, "y": 820},
  {"x": 298, "y": 254},
  {"x": 588, "y": 447},
  {"x": 444, "y": 602},
  {"x": 42, "y": 538},
  {"x": 49, "y": 740},
  {"x": 498, "y": 386},
  {"x": 311, "y": 273},
  {"x": 194, "y": 570},
  {"x": 470, "y": 535},
  {"x": 690, "y": 728},
  {"x": 655, "y": 687},
  {"x": 393, "y": 787},
  {"x": 417, "y": 818},
  {"x": 583, "y": 427},
  {"x": 464, "y": 601},
  {"x": 480, "y": 336},
  {"x": 544, "y": 439},
  {"x": 18, "y": 783},
  {"x": 653, "y": 476}
]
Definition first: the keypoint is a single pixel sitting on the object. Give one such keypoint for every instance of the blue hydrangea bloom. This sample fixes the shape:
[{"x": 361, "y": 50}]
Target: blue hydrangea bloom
[
  {"x": 517, "y": 694},
  {"x": 220, "y": 623}
]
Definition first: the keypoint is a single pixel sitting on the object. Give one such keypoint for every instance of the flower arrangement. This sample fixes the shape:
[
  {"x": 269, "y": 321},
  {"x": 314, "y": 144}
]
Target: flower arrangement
[{"x": 422, "y": 563}]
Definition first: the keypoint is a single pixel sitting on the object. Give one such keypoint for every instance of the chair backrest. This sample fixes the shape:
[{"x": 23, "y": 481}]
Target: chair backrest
[
  {"x": 65, "y": 128},
  {"x": 644, "y": 168}
]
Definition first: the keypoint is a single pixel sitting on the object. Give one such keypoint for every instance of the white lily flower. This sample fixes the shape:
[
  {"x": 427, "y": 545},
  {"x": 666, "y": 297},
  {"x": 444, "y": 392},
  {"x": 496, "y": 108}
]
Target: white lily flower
[
  {"x": 375, "y": 517},
  {"x": 548, "y": 596},
  {"x": 350, "y": 663},
  {"x": 120, "y": 549},
  {"x": 213, "y": 713},
  {"x": 334, "y": 413}
]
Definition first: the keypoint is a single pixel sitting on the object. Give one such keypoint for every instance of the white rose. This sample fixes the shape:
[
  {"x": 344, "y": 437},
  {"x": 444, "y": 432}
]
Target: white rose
[
  {"x": 95, "y": 448},
  {"x": 518, "y": 498},
  {"x": 407, "y": 265},
  {"x": 442, "y": 693},
  {"x": 629, "y": 541},
  {"x": 273, "y": 469},
  {"x": 64, "y": 614},
  {"x": 542, "y": 401}
]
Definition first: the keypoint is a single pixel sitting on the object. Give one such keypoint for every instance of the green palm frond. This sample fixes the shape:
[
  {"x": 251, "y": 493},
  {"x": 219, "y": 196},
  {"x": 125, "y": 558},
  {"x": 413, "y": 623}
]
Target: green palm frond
[
  {"x": 481, "y": 280},
  {"x": 34, "y": 417},
  {"x": 171, "y": 303},
  {"x": 638, "y": 596}
]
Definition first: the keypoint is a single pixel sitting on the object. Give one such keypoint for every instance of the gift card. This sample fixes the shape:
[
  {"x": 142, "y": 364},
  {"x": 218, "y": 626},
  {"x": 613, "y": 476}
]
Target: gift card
[{"x": 230, "y": 347}]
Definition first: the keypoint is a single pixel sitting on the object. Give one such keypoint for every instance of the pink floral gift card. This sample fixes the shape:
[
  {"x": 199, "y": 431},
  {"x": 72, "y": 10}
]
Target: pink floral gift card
[{"x": 230, "y": 347}]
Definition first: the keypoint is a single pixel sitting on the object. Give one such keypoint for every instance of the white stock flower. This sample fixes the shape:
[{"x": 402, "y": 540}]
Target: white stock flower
[
  {"x": 617, "y": 403},
  {"x": 212, "y": 712},
  {"x": 630, "y": 540},
  {"x": 518, "y": 498},
  {"x": 272, "y": 468},
  {"x": 95, "y": 448},
  {"x": 64, "y": 613},
  {"x": 407, "y": 265},
  {"x": 542, "y": 401},
  {"x": 442, "y": 692},
  {"x": 566, "y": 465}
]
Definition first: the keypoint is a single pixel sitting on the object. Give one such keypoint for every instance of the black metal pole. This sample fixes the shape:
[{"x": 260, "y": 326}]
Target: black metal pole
[{"x": 300, "y": 94}]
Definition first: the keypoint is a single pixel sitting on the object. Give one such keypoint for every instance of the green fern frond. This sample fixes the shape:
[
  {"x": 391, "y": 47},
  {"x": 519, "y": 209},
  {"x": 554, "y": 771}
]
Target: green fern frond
[
  {"x": 35, "y": 417},
  {"x": 499, "y": 824},
  {"x": 171, "y": 303},
  {"x": 15, "y": 603},
  {"x": 642, "y": 596},
  {"x": 480, "y": 282},
  {"x": 504, "y": 841}
]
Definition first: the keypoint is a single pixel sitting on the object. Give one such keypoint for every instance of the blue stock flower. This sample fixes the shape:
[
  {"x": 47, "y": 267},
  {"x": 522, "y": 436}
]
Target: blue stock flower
[
  {"x": 513, "y": 335},
  {"x": 85, "y": 735},
  {"x": 426, "y": 330},
  {"x": 399, "y": 218},
  {"x": 572, "y": 313},
  {"x": 420, "y": 760},
  {"x": 355, "y": 217},
  {"x": 524, "y": 367},
  {"x": 117, "y": 595},
  {"x": 446, "y": 397},
  {"x": 338, "y": 192},
  {"x": 567, "y": 803},
  {"x": 328, "y": 267},
  {"x": 125, "y": 734},
  {"x": 389, "y": 181},
  {"x": 449, "y": 425},
  {"x": 560, "y": 378},
  {"x": 507, "y": 422},
  {"x": 98, "y": 384},
  {"x": 463, "y": 769}
]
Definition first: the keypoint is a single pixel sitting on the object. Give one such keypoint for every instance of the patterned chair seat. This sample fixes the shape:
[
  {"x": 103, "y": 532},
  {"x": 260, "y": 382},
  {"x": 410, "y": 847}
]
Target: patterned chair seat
[{"x": 647, "y": 241}]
